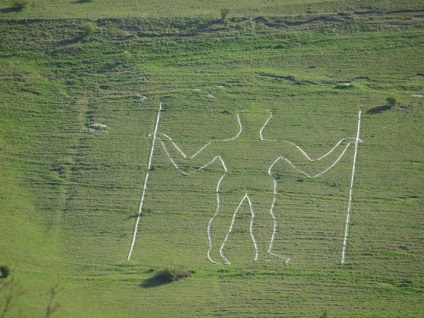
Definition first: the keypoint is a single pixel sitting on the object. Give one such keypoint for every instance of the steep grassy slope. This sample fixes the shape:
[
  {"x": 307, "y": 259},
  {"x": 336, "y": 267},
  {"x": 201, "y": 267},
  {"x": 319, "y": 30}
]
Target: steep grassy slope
[{"x": 71, "y": 188}]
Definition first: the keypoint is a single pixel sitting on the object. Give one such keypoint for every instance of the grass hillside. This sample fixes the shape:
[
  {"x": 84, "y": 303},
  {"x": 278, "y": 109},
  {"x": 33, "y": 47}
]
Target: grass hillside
[
  {"x": 81, "y": 84},
  {"x": 95, "y": 9}
]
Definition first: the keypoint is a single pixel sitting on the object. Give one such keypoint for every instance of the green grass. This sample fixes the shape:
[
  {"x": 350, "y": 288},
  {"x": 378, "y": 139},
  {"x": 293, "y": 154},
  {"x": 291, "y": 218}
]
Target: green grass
[
  {"x": 95, "y": 9},
  {"x": 69, "y": 195}
]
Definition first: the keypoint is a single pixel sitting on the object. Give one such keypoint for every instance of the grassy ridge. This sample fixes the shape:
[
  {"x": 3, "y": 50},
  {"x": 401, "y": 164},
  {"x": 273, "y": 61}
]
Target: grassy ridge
[
  {"x": 92, "y": 9},
  {"x": 72, "y": 191}
]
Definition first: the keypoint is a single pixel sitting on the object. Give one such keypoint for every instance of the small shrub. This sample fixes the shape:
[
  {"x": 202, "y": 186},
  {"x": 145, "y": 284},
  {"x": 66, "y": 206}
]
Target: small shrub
[
  {"x": 165, "y": 276},
  {"x": 20, "y": 4},
  {"x": 391, "y": 101},
  {"x": 89, "y": 29},
  {"x": 169, "y": 275},
  {"x": 127, "y": 56},
  {"x": 4, "y": 271}
]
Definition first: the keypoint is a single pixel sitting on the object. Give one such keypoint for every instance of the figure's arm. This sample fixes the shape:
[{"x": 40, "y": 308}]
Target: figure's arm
[
  {"x": 313, "y": 168},
  {"x": 188, "y": 164}
]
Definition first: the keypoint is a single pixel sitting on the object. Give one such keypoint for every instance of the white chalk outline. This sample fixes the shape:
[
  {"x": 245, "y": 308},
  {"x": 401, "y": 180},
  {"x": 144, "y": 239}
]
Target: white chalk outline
[
  {"x": 221, "y": 249},
  {"x": 246, "y": 197},
  {"x": 146, "y": 178},
  {"x": 263, "y": 127},
  {"x": 351, "y": 188}
]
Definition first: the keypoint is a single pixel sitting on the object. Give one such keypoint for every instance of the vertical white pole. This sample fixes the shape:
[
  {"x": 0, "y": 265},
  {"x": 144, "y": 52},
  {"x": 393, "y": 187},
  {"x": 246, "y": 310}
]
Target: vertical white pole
[
  {"x": 146, "y": 178},
  {"x": 351, "y": 189}
]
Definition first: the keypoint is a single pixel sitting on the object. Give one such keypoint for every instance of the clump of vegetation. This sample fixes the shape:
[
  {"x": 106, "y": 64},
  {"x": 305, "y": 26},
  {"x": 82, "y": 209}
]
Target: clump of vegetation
[
  {"x": 392, "y": 101},
  {"x": 166, "y": 276},
  {"x": 89, "y": 29},
  {"x": 4, "y": 271},
  {"x": 127, "y": 56},
  {"x": 20, "y": 4},
  {"x": 169, "y": 275}
]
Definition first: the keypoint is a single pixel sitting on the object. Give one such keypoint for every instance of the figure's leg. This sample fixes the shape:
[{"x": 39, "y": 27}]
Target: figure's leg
[
  {"x": 274, "y": 219},
  {"x": 263, "y": 222},
  {"x": 212, "y": 219},
  {"x": 221, "y": 225},
  {"x": 263, "y": 226},
  {"x": 230, "y": 229},
  {"x": 274, "y": 227}
]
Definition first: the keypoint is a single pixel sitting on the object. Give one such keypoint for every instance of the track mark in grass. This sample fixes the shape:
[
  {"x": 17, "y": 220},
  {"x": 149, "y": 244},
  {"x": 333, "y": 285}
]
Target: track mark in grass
[{"x": 289, "y": 79}]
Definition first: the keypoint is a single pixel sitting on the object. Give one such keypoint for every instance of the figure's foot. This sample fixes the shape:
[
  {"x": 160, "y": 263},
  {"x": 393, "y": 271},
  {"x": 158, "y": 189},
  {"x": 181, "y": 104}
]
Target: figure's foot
[
  {"x": 217, "y": 257},
  {"x": 286, "y": 259},
  {"x": 212, "y": 258},
  {"x": 224, "y": 262}
]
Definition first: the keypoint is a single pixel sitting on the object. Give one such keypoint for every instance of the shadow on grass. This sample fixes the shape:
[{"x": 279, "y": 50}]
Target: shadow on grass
[
  {"x": 11, "y": 10},
  {"x": 378, "y": 109},
  {"x": 71, "y": 41},
  {"x": 154, "y": 282}
]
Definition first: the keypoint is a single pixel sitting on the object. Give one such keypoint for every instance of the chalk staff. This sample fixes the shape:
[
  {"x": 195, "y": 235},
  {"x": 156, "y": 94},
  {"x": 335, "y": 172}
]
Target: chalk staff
[{"x": 146, "y": 178}]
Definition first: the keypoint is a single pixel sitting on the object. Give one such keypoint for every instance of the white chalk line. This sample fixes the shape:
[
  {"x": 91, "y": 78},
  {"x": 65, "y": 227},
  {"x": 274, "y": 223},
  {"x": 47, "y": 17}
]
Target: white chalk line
[
  {"x": 252, "y": 216},
  {"x": 351, "y": 189},
  {"x": 198, "y": 169},
  {"x": 305, "y": 173},
  {"x": 212, "y": 218},
  {"x": 263, "y": 127},
  {"x": 299, "y": 148},
  {"x": 176, "y": 146},
  {"x": 146, "y": 178},
  {"x": 240, "y": 130},
  {"x": 274, "y": 219},
  {"x": 275, "y": 223},
  {"x": 225, "y": 260}
]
